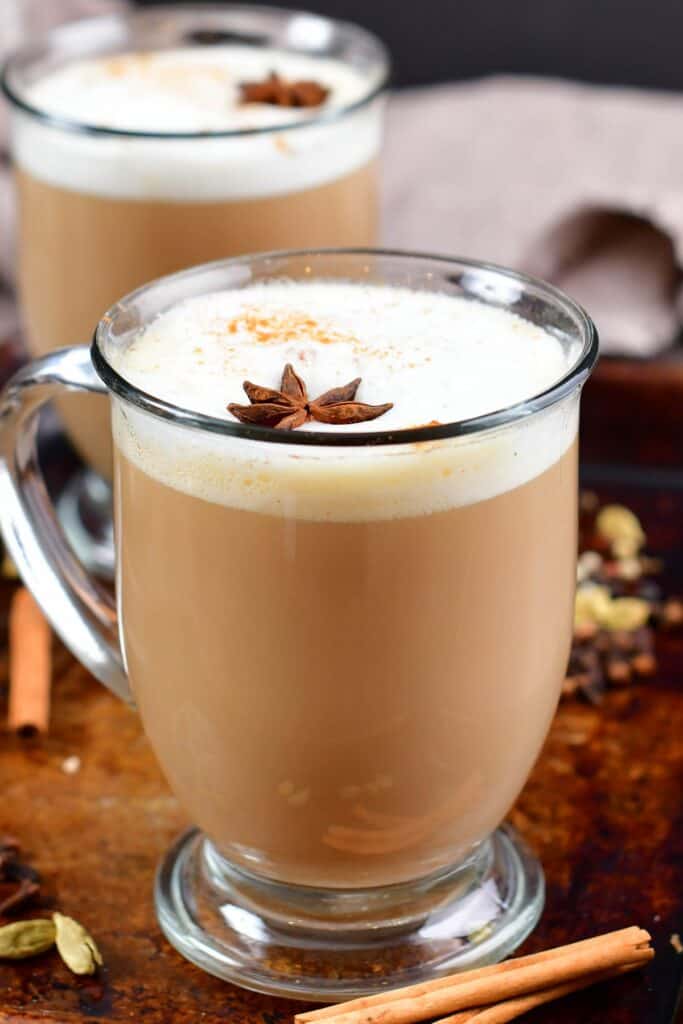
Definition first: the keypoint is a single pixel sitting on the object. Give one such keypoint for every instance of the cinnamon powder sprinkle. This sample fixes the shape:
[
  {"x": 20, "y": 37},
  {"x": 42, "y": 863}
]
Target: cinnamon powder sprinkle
[{"x": 285, "y": 327}]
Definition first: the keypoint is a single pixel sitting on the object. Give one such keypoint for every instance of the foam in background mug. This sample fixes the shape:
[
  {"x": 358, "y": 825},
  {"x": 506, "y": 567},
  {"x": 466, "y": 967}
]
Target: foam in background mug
[{"x": 346, "y": 643}]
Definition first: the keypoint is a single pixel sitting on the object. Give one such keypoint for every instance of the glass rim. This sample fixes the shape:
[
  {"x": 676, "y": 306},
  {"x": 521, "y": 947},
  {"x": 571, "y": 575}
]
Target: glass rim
[
  {"x": 573, "y": 379},
  {"x": 81, "y": 127}
]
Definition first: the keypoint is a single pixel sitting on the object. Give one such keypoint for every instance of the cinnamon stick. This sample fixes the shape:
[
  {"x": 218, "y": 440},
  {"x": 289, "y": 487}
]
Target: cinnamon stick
[
  {"x": 481, "y": 988},
  {"x": 632, "y": 936},
  {"x": 29, "y": 666},
  {"x": 510, "y": 1009},
  {"x": 464, "y": 1017}
]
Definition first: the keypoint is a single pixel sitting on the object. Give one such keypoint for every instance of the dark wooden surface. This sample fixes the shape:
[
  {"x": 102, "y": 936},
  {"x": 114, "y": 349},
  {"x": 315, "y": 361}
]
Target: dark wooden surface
[
  {"x": 632, "y": 415},
  {"x": 603, "y": 809}
]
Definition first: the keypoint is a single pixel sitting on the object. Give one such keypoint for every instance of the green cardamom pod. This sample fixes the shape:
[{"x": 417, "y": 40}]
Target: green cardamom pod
[
  {"x": 75, "y": 946},
  {"x": 26, "y": 938}
]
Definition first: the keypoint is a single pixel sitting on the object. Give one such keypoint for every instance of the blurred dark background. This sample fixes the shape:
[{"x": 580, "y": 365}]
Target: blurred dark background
[{"x": 634, "y": 42}]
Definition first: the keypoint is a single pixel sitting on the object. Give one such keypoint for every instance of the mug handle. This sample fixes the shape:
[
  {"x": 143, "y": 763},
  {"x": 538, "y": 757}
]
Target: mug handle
[{"x": 79, "y": 608}]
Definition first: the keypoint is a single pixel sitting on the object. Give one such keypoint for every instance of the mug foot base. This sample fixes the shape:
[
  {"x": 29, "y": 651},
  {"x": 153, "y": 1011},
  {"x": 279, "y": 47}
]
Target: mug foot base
[
  {"x": 84, "y": 509},
  {"x": 327, "y": 945}
]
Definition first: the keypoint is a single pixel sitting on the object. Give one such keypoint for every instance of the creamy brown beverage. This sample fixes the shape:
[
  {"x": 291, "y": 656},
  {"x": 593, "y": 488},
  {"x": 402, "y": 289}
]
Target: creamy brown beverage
[
  {"x": 101, "y": 213},
  {"x": 346, "y": 659}
]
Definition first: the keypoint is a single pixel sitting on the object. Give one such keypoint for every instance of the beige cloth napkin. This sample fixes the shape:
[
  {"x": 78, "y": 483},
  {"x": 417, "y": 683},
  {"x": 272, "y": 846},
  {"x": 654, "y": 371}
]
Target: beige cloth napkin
[{"x": 578, "y": 184}]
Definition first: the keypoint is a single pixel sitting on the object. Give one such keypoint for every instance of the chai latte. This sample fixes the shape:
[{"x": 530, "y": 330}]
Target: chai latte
[
  {"x": 102, "y": 213},
  {"x": 346, "y": 659}
]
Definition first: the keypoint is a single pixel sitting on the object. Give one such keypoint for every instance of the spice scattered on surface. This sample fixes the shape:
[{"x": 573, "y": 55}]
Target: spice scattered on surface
[
  {"x": 29, "y": 938},
  {"x": 23, "y": 939},
  {"x": 279, "y": 92},
  {"x": 71, "y": 765},
  {"x": 19, "y": 883},
  {"x": 621, "y": 528},
  {"x": 25, "y": 890},
  {"x": 290, "y": 407},
  {"x": 619, "y": 604},
  {"x": 26, "y": 938},
  {"x": 75, "y": 946},
  {"x": 30, "y": 666}
]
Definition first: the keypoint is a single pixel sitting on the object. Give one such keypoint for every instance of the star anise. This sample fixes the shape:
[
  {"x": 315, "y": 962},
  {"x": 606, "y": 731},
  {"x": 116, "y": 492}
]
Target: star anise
[
  {"x": 279, "y": 92},
  {"x": 290, "y": 407}
]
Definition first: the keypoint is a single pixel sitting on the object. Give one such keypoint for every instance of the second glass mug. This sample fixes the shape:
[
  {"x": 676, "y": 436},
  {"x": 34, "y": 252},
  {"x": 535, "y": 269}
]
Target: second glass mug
[
  {"x": 346, "y": 704},
  {"x": 102, "y": 211}
]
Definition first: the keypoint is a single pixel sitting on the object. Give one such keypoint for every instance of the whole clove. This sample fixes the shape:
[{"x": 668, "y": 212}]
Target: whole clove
[{"x": 19, "y": 882}]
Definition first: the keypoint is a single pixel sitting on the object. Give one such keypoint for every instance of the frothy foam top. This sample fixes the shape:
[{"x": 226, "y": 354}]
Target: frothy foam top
[
  {"x": 195, "y": 90},
  {"x": 436, "y": 357}
]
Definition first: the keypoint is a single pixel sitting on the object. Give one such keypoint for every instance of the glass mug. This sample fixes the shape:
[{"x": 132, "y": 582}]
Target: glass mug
[
  {"x": 104, "y": 211},
  {"x": 347, "y": 704}
]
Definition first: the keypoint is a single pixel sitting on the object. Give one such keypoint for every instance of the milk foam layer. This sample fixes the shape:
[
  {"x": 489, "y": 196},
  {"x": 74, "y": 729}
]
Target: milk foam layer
[
  {"x": 196, "y": 89},
  {"x": 436, "y": 357},
  {"x": 193, "y": 90}
]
